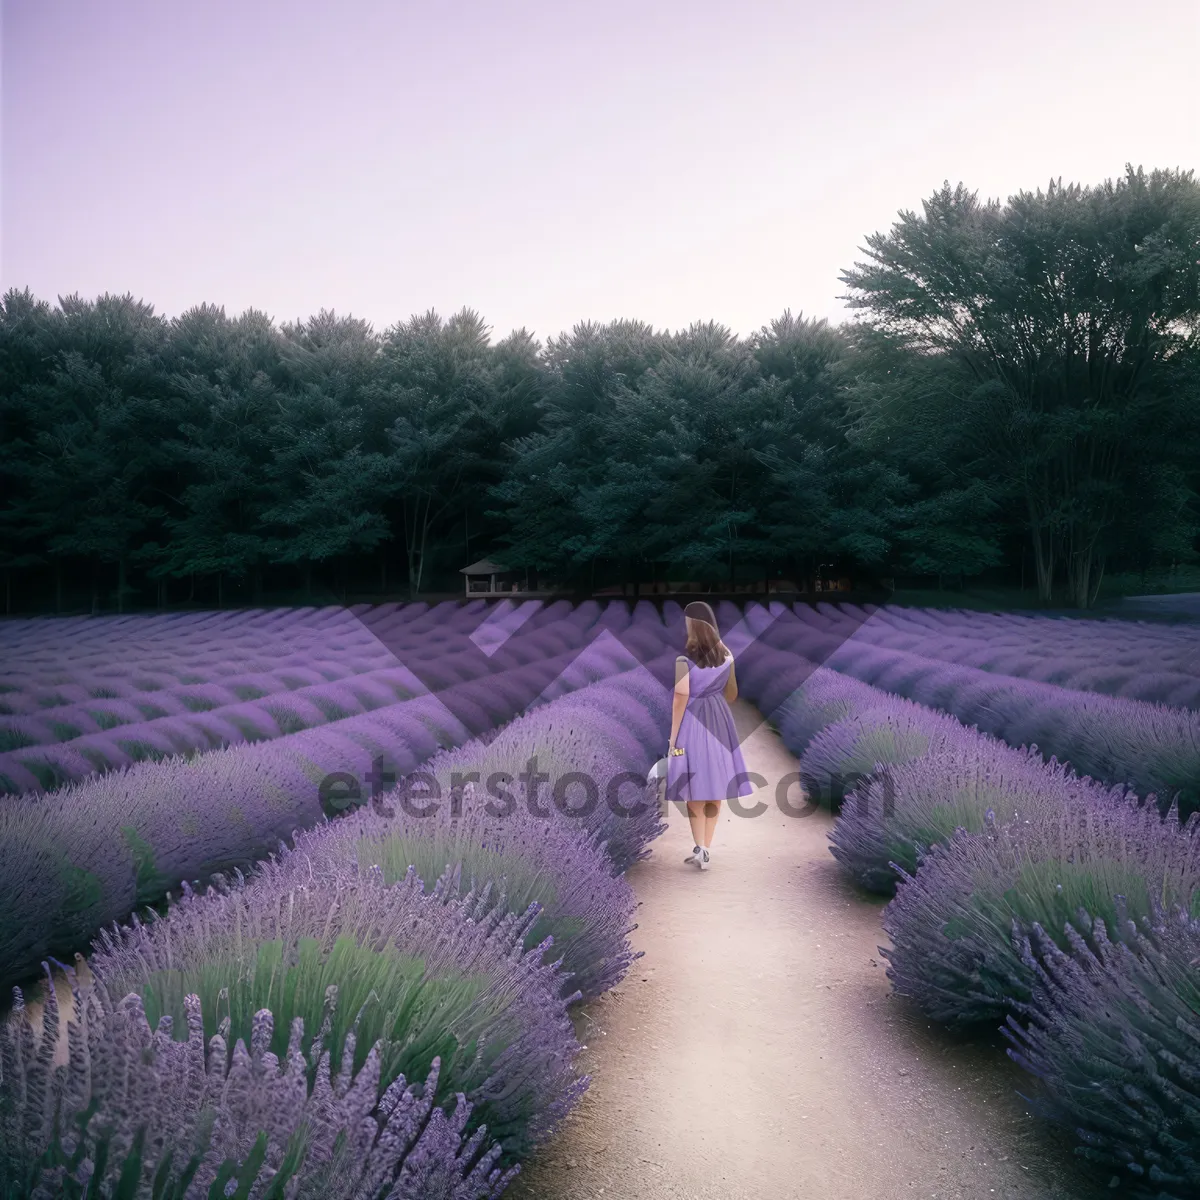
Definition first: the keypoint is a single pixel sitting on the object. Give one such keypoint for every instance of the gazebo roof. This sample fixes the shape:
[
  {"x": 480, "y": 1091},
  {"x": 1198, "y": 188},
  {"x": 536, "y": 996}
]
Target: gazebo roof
[{"x": 485, "y": 566}]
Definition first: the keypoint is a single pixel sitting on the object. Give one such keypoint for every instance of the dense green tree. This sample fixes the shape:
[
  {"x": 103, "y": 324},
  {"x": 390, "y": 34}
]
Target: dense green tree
[
  {"x": 223, "y": 380},
  {"x": 329, "y": 471},
  {"x": 511, "y": 414},
  {"x": 539, "y": 500},
  {"x": 1063, "y": 310},
  {"x": 82, "y": 467},
  {"x": 27, "y": 348},
  {"x": 903, "y": 411},
  {"x": 438, "y": 384},
  {"x": 824, "y": 494},
  {"x": 225, "y": 448},
  {"x": 687, "y": 429}
]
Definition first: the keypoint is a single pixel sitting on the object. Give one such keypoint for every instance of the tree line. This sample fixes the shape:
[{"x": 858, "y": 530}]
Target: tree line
[{"x": 1021, "y": 381}]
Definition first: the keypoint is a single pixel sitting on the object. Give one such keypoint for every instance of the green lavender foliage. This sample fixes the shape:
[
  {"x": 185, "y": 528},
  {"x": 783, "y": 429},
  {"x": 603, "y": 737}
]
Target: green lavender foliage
[
  {"x": 951, "y": 924},
  {"x": 425, "y": 975},
  {"x": 894, "y": 817},
  {"x": 849, "y": 750}
]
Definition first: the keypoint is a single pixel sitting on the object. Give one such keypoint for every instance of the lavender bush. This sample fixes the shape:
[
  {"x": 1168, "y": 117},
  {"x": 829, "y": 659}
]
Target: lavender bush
[
  {"x": 1152, "y": 748},
  {"x": 771, "y": 685},
  {"x": 1144, "y": 662},
  {"x": 94, "y": 650},
  {"x": 1113, "y": 1034},
  {"x": 421, "y": 974},
  {"x": 951, "y": 924},
  {"x": 138, "y": 1114},
  {"x": 1140, "y": 662},
  {"x": 290, "y": 658},
  {"x": 826, "y": 697},
  {"x": 572, "y": 738},
  {"x": 555, "y": 865},
  {"x": 198, "y": 718},
  {"x": 851, "y": 749},
  {"x": 482, "y": 833},
  {"x": 897, "y": 814}
]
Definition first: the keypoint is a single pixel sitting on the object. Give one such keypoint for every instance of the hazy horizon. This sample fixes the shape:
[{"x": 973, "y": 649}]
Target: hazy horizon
[{"x": 546, "y": 164}]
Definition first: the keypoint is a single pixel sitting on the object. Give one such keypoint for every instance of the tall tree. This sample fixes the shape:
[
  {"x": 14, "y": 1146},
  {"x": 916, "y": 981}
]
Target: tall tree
[
  {"x": 538, "y": 501},
  {"x": 1063, "y": 309},
  {"x": 28, "y": 343},
  {"x": 688, "y": 429},
  {"x": 903, "y": 416},
  {"x": 225, "y": 385},
  {"x": 93, "y": 419},
  {"x": 222, "y": 529},
  {"x": 329, "y": 466},
  {"x": 436, "y": 382},
  {"x": 823, "y": 491}
]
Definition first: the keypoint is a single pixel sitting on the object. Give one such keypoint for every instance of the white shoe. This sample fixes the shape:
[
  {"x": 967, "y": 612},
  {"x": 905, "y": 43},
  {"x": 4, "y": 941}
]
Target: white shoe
[
  {"x": 703, "y": 860},
  {"x": 695, "y": 855}
]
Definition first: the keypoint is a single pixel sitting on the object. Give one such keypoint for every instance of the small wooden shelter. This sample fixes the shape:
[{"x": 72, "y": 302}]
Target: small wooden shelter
[{"x": 488, "y": 578}]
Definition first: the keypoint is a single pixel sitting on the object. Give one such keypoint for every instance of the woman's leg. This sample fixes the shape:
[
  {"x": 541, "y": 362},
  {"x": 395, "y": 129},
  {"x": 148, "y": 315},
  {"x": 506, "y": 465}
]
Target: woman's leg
[
  {"x": 695, "y": 809},
  {"x": 712, "y": 813}
]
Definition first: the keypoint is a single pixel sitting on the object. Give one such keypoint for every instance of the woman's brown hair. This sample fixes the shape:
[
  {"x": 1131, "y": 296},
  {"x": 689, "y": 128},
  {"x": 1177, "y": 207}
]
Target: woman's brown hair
[{"x": 704, "y": 646}]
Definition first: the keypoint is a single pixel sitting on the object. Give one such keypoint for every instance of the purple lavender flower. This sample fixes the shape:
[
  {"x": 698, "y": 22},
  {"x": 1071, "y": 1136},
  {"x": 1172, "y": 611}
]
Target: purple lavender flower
[
  {"x": 83, "y": 855},
  {"x": 556, "y": 865},
  {"x": 951, "y": 924},
  {"x": 1153, "y": 748},
  {"x": 894, "y": 817},
  {"x": 1110, "y": 1033},
  {"x": 429, "y": 975},
  {"x": 849, "y": 750},
  {"x": 135, "y": 1097}
]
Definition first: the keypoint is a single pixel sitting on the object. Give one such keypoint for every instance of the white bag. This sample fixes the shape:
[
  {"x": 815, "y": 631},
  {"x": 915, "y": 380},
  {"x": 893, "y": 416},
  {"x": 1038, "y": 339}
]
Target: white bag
[{"x": 658, "y": 772}]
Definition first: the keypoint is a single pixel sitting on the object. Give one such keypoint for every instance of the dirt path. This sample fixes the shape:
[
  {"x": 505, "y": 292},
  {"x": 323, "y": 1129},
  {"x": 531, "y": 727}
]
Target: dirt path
[{"x": 756, "y": 1050}]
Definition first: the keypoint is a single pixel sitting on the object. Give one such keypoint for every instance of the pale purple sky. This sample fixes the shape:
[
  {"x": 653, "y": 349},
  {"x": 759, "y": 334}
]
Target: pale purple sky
[{"x": 548, "y": 162}]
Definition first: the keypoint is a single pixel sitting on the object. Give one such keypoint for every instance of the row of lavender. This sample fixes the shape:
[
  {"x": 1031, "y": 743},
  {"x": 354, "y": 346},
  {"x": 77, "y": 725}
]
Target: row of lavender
[
  {"x": 1150, "y": 747},
  {"x": 132, "y": 661},
  {"x": 1111, "y": 656},
  {"x": 381, "y": 1010},
  {"x": 118, "y": 647},
  {"x": 1023, "y": 893},
  {"x": 388, "y": 654},
  {"x": 52, "y": 662},
  {"x": 1139, "y": 661},
  {"x": 44, "y": 642},
  {"x": 79, "y": 857},
  {"x": 1154, "y": 747},
  {"x": 123, "y": 649},
  {"x": 179, "y": 667}
]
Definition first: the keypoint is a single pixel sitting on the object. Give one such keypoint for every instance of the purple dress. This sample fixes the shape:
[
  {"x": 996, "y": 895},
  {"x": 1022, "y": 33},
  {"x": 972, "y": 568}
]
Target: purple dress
[{"x": 711, "y": 766}]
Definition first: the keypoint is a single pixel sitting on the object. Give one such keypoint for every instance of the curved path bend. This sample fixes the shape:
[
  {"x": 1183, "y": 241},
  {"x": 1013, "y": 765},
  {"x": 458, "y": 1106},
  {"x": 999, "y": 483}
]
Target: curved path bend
[{"x": 756, "y": 1051}]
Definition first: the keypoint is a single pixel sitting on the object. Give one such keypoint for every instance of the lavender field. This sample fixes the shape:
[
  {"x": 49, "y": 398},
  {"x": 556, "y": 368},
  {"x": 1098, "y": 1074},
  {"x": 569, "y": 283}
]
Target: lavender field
[{"x": 324, "y": 931}]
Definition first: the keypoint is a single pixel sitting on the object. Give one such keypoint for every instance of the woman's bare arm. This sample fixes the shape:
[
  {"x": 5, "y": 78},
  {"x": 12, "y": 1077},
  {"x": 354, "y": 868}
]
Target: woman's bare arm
[
  {"x": 679, "y": 697},
  {"x": 731, "y": 686}
]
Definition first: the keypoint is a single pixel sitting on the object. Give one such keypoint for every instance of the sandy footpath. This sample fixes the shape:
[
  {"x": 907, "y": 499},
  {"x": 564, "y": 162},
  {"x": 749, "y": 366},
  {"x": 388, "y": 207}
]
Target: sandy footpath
[{"x": 756, "y": 1051}]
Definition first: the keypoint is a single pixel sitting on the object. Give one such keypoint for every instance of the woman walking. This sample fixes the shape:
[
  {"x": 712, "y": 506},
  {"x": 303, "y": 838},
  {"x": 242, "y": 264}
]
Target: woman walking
[{"x": 704, "y": 760}]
